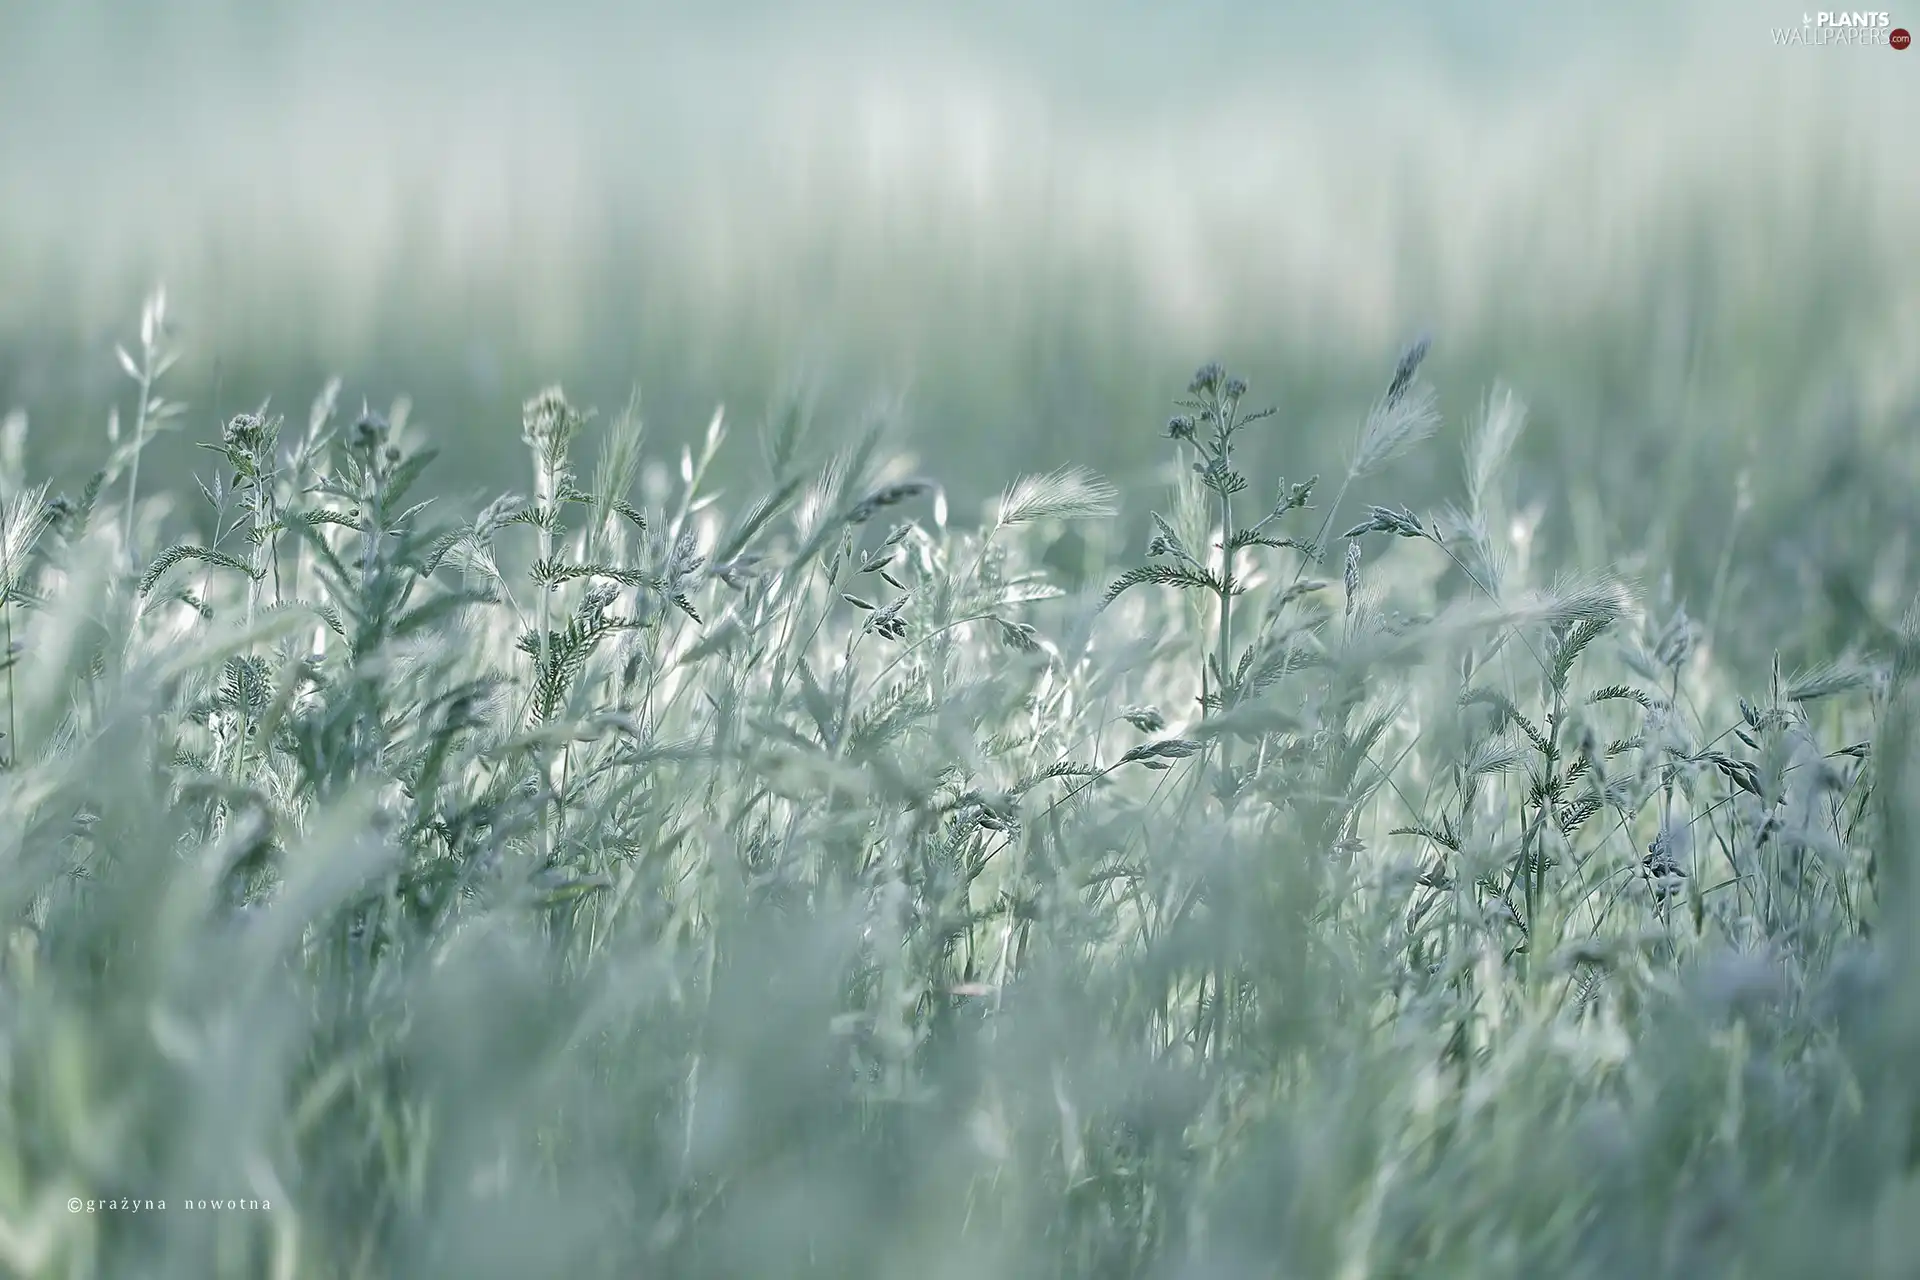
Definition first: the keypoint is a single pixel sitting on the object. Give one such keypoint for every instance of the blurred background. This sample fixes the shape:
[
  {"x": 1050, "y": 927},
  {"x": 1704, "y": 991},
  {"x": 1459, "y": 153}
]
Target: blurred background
[{"x": 1015, "y": 228}]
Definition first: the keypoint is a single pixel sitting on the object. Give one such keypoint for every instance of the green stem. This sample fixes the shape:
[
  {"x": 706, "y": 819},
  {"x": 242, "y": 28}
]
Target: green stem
[
  {"x": 139, "y": 447},
  {"x": 1223, "y": 643},
  {"x": 7, "y": 655},
  {"x": 549, "y": 500}
]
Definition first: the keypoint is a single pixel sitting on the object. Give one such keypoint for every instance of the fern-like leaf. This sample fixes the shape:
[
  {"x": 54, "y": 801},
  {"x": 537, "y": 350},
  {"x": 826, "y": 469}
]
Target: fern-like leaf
[
  {"x": 179, "y": 554},
  {"x": 1185, "y": 577}
]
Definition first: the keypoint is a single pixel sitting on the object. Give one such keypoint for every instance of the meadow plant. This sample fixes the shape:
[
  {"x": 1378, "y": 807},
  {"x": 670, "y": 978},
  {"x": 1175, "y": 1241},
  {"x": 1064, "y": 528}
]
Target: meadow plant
[{"x": 613, "y": 882}]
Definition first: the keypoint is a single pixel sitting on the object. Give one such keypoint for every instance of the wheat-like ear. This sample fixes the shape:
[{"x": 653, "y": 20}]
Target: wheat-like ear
[
  {"x": 1846, "y": 674},
  {"x": 1071, "y": 493},
  {"x": 1574, "y": 599},
  {"x": 615, "y": 472},
  {"x": 1490, "y": 443},
  {"x": 1394, "y": 425},
  {"x": 23, "y": 522}
]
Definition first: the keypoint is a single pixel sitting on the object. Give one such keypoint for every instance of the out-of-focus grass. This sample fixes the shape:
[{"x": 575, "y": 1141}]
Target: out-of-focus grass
[{"x": 1681, "y": 241}]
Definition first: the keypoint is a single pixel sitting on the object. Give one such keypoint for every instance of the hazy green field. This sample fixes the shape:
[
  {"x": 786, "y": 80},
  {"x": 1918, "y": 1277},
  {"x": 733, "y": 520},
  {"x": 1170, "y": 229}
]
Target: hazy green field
[
  {"x": 893, "y": 772},
  {"x": 1680, "y": 242}
]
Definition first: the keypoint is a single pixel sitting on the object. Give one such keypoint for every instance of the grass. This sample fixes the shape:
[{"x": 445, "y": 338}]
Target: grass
[
  {"x": 609, "y": 882},
  {"x": 1034, "y": 229}
]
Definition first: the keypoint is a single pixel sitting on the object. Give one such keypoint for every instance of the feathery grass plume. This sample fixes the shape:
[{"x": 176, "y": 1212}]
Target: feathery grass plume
[
  {"x": 1574, "y": 599},
  {"x": 615, "y": 473},
  {"x": 24, "y": 520},
  {"x": 1490, "y": 441},
  {"x": 1399, "y": 420},
  {"x": 1403, "y": 418},
  {"x": 25, "y": 517},
  {"x": 1070, "y": 493},
  {"x": 1847, "y": 674},
  {"x": 848, "y": 472}
]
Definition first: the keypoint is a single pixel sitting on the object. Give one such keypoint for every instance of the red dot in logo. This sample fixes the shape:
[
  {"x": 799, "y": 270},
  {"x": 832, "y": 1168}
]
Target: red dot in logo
[{"x": 1899, "y": 38}]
